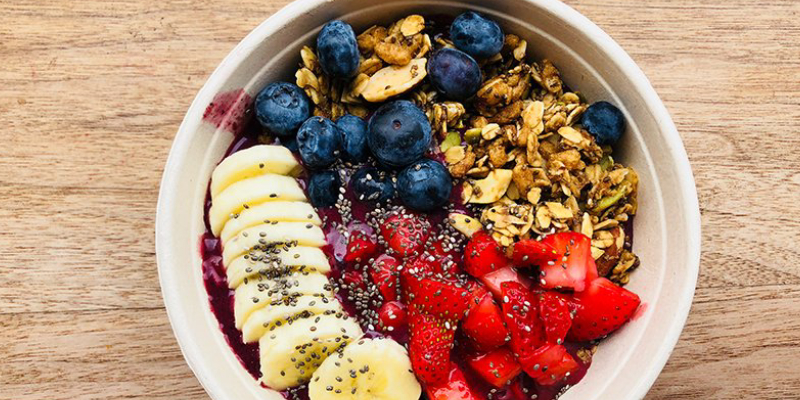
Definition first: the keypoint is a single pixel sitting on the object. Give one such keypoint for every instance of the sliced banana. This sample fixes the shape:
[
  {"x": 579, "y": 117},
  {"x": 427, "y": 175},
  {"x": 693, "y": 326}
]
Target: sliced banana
[
  {"x": 266, "y": 236},
  {"x": 261, "y": 292},
  {"x": 276, "y": 261},
  {"x": 394, "y": 80},
  {"x": 251, "y": 192},
  {"x": 281, "y": 211},
  {"x": 288, "y": 311},
  {"x": 375, "y": 369},
  {"x": 257, "y": 160},
  {"x": 291, "y": 353}
]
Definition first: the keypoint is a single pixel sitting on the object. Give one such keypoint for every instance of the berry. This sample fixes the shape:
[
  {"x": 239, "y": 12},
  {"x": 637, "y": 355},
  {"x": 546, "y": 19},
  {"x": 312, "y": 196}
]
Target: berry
[
  {"x": 281, "y": 107},
  {"x": 497, "y": 367},
  {"x": 494, "y": 280},
  {"x": 384, "y": 274},
  {"x": 442, "y": 299},
  {"x": 601, "y": 309},
  {"x": 604, "y": 121},
  {"x": 484, "y": 325},
  {"x": 429, "y": 346},
  {"x": 398, "y": 133},
  {"x": 392, "y": 316},
  {"x": 354, "y": 138},
  {"x": 574, "y": 267},
  {"x": 318, "y": 141},
  {"x": 371, "y": 185},
  {"x": 323, "y": 188},
  {"x": 354, "y": 280},
  {"x": 454, "y": 387},
  {"x": 521, "y": 314},
  {"x": 424, "y": 185},
  {"x": 360, "y": 247},
  {"x": 532, "y": 252},
  {"x": 476, "y": 35},
  {"x": 549, "y": 364},
  {"x": 337, "y": 49},
  {"x": 454, "y": 74},
  {"x": 554, "y": 312},
  {"x": 483, "y": 255},
  {"x": 405, "y": 234}
]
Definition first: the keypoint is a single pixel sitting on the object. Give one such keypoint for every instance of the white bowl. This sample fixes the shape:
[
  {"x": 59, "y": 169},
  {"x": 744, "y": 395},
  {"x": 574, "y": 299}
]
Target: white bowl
[{"x": 667, "y": 227}]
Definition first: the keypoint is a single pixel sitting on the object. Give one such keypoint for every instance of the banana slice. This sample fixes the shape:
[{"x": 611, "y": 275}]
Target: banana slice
[
  {"x": 382, "y": 372},
  {"x": 265, "y": 236},
  {"x": 257, "y": 160},
  {"x": 260, "y": 292},
  {"x": 285, "y": 211},
  {"x": 291, "y": 353},
  {"x": 288, "y": 311},
  {"x": 251, "y": 192},
  {"x": 275, "y": 262}
]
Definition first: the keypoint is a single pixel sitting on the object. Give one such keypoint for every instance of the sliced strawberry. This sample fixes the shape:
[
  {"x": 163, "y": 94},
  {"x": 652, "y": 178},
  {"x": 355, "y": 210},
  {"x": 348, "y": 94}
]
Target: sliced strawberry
[
  {"x": 454, "y": 387},
  {"x": 354, "y": 280},
  {"x": 531, "y": 252},
  {"x": 483, "y": 255},
  {"x": 476, "y": 291},
  {"x": 574, "y": 268},
  {"x": 497, "y": 367},
  {"x": 444, "y": 299},
  {"x": 405, "y": 234},
  {"x": 484, "y": 325},
  {"x": 392, "y": 316},
  {"x": 384, "y": 274},
  {"x": 601, "y": 309},
  {"x": 494, "y": 280},
  {"x": 521, "y": 314},
  {"x": 448, "y": 261},
  {"x": 360, "y": 247},
  {"x": 549, "y": 364},
  {"x": 429, "y": 346},
  {"x": 555, "y": 314}
]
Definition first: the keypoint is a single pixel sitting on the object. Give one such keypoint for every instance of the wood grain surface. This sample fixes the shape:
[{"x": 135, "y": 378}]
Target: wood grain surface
[{"x": 92, "y": 93}]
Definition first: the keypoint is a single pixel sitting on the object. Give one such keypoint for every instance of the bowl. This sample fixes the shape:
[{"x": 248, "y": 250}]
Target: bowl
[{"x": 667, "y": 225}]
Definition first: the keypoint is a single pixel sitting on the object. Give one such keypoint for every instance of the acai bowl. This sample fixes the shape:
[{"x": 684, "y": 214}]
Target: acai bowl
[{"x": 590, "y": 66}]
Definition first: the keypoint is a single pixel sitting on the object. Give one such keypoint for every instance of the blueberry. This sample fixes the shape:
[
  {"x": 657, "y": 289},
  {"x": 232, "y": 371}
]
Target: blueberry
[
  {"x": 369, "y": 184},
  {"x": 318, "y": 141},
  {"x": 604, "y": 121},
  {"x": 398, "y": 133},
  {"x": 290, "y": 143},
  {"x": 424, "y": 185},
  {"x": 337, "y": 49},
  {"x": 454, "y": 73},
  {"x": 323, "y": 188},
  {"x": 354, "y": 141},
  {"x": 281, "y": 107},
  {"x": 477, "y": 35}
]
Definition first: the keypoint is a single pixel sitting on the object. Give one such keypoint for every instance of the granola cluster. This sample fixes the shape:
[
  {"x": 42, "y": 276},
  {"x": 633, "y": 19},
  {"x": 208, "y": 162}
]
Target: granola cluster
[{"x": 527, "y": 167}]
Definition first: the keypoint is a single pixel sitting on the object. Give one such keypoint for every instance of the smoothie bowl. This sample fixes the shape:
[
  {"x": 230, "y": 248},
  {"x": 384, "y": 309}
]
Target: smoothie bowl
[{"x": 436, "y": 201}]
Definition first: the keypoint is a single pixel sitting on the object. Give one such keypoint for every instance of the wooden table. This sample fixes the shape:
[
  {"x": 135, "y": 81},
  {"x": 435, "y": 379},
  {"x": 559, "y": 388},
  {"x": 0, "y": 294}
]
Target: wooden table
[{"x": 92, "y": 93}]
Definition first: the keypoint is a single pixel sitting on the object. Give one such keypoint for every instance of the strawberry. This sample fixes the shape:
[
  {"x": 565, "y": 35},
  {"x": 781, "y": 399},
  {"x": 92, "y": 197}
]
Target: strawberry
[
  {"x": 392, "y": 316},
  {"x": 521, "y": 314},
  {"x": 494, "y": 280},
  {"x": 448, "y": 261},
  {"x": 531, "y": 252},
  {"x": 574, "y": 268},
  {"x": 455, "y": 387},
  {"x": 443, "y": 299},
  {"x": 354, "y": 280},
  {"x": 549, "y": 364},
  {"x": 601, "y": 309},
  {"x": 429, "y": 346},
  {"x": 497, "y": 367},
  {"x": 554, "y": 311},
  {"x": 476, "y": 291},
  {"x": 405, "y": 234},
  {"x": 384, "y": 274},
  {"x": 360, "y": 247},
  {"x": 484, "y": 325},
  {"x": 483, "y": 255}
]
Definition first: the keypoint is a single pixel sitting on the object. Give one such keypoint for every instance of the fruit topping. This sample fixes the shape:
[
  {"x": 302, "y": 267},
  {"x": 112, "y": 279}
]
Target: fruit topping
[
  {"x": 555, "y": 314},
  {"x": 424, "y": 185},
  {"x": 454, "y": 74},
  {"x": 497, "y": 367},
  {"x": 337, "y": 49},
  {"x": 521, "y": 314},
  {"x": 319, "y": 141},
  {"x": 549, "y": 364},
  {"x": 429, "y": 346},
  {"x": 455, "y": 387},
  {"x": 399, "y": 133},
  {"x": 604, "y": 121},
  {"x": 281, "y": 107},
  {"x": 483, "y": 255},
  {"x": 601, "y": 309},
  {"x": 574, "y": 268},
  {"x": 392, "y": 316},
  {"x": 354, "y": 138},
  {"x": 531, "y": 252},
  {"x": 405, "y": 234},
  {"x": 372, "y": 185},
  {"x": 494, "y": 280},
  {"x": 384, "y": 273},
  {"x": 323, "y": 188},
  {"x": 484, "y": 325},
  {"x": 476, "y": 35},
  {"x": 360, "y": 247},
  {"x": 443, "y": 299}
]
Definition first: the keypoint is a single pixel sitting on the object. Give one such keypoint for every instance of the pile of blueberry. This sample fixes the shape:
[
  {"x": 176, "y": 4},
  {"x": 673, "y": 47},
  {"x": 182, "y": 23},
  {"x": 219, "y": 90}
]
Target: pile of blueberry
[{"x": 398, "y": 133}]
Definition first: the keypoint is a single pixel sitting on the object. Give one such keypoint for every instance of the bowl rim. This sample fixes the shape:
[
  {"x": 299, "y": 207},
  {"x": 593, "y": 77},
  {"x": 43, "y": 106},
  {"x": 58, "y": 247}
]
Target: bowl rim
[{"x": 165, "y": 252}]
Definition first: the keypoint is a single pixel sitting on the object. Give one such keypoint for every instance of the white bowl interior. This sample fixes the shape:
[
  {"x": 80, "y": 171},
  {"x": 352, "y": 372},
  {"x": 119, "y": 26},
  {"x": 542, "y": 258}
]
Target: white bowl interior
[{"x": 629, "y": 361}]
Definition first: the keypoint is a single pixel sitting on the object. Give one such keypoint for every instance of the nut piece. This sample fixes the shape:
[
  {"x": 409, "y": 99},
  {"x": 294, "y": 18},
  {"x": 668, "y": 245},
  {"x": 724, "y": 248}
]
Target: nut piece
[
  {"x": 492, "y": 188},
  {"x": 394, "y": 80},
  {"x": 370, "y": 37},
  {"x": 398, "y": 49},
  {"x": 490, "y": 131},
  {"x": 412, "y": 25},
  {"x": 465, "y": 224}
]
